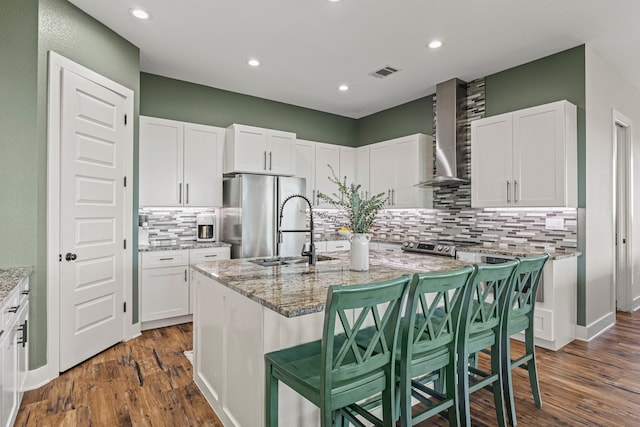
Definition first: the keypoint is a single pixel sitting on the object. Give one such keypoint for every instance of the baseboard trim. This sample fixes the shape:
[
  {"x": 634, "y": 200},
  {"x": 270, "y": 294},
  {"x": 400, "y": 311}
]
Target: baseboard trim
[
  {"x": 636, "y": 304},
  {"x": 38, "y": 377},
  {"x": 587, "y": 333},
  {"x": 166, "y": 322}
]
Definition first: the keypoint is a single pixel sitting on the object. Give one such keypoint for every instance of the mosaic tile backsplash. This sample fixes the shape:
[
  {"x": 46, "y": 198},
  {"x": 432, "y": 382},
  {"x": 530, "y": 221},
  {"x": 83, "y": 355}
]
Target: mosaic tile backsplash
[{"x": 173, "y": 225}]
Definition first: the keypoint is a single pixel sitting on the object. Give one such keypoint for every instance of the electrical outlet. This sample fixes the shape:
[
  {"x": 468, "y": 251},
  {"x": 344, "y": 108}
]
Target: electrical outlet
[{"x": 554, "y": 223}]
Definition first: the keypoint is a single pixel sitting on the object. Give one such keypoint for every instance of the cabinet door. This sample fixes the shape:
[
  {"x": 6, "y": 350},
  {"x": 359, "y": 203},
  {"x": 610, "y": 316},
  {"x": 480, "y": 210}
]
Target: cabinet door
[
  {"x": 326, "y": 155},
  {"x": 539, "y": 156},
  {"x": 9, "y": 371},
  {"x": 492, "y": 162},
  {"x": 348, "y": 164},
  {"x": 161, "y": 162},
  {"x": 248, "y": 151},
  {"x": 203, "y": 165},
  {"x": 382, "y": 169},
  {"x": 22, "y": 342},
  {"x": 164, "y": 293},
  {"x": 282, "y": 153},
  {"x": 408, "y": 163},
  {"x": 306, "y": 166},
  {"x": 362, "y": 169}
]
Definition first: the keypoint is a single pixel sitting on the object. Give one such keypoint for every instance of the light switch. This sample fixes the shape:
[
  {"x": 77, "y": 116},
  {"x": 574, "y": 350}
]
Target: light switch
[{"x": 554, "y": 223}]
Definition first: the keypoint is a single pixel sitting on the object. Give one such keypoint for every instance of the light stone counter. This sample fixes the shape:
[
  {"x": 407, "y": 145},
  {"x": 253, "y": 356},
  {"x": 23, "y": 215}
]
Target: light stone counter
[
  {"x": 521, "y": 251},
  {"x": 10, "y": 278},
  {"x": 297, "y": 289},
  {"x": 182, "y": 245}
]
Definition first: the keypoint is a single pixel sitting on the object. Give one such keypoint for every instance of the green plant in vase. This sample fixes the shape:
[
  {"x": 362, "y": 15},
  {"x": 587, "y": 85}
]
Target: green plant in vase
[{"x": 360, "y": 212}]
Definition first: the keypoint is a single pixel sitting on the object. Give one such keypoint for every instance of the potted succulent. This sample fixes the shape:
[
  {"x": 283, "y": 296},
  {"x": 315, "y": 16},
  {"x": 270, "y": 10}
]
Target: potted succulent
[{"x": 360, "y": 212}]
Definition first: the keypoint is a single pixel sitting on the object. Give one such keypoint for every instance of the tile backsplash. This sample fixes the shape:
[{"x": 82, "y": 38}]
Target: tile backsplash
[
  {"x": 173, "y": 225},
  {"x": 506, "y": 227}
]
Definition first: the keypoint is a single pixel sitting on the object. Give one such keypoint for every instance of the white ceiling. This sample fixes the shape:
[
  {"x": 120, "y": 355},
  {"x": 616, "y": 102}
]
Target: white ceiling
[{"x": 308, "y": 47}]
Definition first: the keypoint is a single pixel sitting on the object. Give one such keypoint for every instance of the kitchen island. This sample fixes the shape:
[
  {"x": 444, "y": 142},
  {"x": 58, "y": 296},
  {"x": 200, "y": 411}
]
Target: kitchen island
[{"x": 243, "y": 310}]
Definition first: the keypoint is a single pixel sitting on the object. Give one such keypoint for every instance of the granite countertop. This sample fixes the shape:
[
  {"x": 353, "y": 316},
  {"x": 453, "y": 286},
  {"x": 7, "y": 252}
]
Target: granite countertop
[
  {"x": 10, "y": 277},
  {"x": 182, "y": 245},
  {"x": 297, "y": 289},
  {"x": 521, "y": 251}
]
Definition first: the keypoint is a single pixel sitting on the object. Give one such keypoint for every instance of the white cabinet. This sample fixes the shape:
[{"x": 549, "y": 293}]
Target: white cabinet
[
  {"x": 397, "y": 165},
  {"x": 525, "y": 158},
  {"x": 180, "y": 163},
  {"x": 338, "y": 245},
  {"x": 348, "y": 164},
  {"x": 312, "y": 163},
  {"x": 165, "y": 285},
  {"x": 250, "y": 149},
  {"x": 362, "y": 168},
  {"x": 13, "y": 351}
]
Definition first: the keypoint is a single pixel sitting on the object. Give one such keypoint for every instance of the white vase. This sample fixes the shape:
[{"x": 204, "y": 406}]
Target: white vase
[{"x": 359, "y": 252}]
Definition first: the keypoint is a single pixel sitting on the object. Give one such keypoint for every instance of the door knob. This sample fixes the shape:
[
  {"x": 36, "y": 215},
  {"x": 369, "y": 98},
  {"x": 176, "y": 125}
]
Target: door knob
[{"x": 70, "y": 257}]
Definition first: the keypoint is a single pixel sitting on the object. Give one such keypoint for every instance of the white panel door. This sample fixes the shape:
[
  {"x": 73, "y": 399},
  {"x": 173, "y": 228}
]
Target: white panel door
[
  {"x": 492, "y": 161},
  {"x": 327, "y": 155},
  {"x": 92, "y": 214},
  {"x": 203, "y": 165},
  {"x": 539, "y": 156},
  {"x": 161, "y": 162},
  {"x": 407, "y": 166},
  {"x": 250, "y": 149}
]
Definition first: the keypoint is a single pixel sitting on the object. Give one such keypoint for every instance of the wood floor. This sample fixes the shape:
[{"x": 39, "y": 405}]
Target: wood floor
[{"x": 147, "y": 382}]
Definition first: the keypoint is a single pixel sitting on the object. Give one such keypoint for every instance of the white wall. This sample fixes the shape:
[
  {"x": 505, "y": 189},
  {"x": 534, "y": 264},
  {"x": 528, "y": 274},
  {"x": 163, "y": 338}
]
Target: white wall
[{"x": 606, "y": 90}]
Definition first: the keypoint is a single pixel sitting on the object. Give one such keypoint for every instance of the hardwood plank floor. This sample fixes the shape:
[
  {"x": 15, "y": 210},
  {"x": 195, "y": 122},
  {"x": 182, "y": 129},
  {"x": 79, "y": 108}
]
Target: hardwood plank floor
[{"x": 148, "y": 382}]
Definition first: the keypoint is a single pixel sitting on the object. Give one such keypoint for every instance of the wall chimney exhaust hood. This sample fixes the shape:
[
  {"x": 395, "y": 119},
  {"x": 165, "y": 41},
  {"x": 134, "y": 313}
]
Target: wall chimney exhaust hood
[{"x": 451, "y": 100}]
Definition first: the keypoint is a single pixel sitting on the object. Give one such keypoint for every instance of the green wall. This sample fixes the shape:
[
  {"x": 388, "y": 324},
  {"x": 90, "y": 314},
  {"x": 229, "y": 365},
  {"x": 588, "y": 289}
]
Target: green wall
[
  {"x": 552, "y": 78},
  {"x": 406, "y": 119},
  {"x": 70, "y": 32},
  {"x": 179, "y": 100}
]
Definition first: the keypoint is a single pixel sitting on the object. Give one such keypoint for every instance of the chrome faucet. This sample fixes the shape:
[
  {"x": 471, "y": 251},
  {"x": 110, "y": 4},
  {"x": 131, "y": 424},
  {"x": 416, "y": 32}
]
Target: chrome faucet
[{"x": 311, "y": 253}]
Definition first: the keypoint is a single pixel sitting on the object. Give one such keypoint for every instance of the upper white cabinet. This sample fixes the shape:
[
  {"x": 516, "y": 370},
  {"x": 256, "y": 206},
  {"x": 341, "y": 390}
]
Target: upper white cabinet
[
  {"x": 395, "y": 166},
  {"x": 525, "y": 158},
  {"x": 312, "y": 163},
  {"x": 252, "y": 149},
  {"x": 362, "y": 168},
  {"x": 180, "y": 163}
]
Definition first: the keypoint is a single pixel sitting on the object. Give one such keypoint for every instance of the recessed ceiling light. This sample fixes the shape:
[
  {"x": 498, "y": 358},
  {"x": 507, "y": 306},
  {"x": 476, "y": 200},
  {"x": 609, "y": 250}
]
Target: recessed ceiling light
[
  {"x": 435, "y": 44},
  {"x": 140, "y": 13},
  {"x": 343, "y": 88},
  {"x": 253, "y": 62},
  {"x": 334, "y": 1}
]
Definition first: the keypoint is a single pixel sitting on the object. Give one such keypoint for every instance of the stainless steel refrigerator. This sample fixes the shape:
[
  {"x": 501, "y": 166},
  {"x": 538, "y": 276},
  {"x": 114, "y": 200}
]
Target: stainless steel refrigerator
[{"x": 251, "y": 211}]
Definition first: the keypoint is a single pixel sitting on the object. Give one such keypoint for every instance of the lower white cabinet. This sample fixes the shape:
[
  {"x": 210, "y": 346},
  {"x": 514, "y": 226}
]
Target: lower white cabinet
[
  {"x": 14, "y": 352},
  {"x": 165, "y": 289}
]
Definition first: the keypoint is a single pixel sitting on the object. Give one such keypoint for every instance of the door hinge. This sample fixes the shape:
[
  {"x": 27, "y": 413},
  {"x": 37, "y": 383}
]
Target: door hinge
[
  {"x": 125, "y": 243},
  {"x": 125, "y": 181},
  {"x": 125, "y": 306},
  {"x": 125, "y": 119}
]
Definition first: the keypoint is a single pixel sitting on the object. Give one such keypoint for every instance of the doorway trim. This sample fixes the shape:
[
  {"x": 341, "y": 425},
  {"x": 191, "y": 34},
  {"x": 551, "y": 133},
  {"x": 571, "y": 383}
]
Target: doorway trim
[
  {"x": 57, "y": 63},
  {"x": 619, "y": 119}
]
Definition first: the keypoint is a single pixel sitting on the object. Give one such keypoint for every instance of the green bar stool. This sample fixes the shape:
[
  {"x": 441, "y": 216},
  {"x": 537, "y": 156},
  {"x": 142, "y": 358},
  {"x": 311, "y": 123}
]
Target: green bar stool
[
  {"x": 337, "y": 371},
  {"x": 519, "y": 318},
  {"x": 428, "y": 344},
  {"x": 480, "y": 328}
]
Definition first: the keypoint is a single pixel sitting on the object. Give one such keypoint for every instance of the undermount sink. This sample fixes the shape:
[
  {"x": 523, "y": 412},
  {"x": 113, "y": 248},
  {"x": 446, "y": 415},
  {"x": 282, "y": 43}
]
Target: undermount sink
[{"x": 270, "y": 262}]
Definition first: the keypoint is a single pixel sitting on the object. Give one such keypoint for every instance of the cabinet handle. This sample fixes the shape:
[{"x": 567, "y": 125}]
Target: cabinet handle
[
  {"x": 515, "y": 191},
  {"x": 210, "y": 256},
  {"x": 508, "y": 188},
  {"x": 166, "y": 259},
  {"x": 366, "y": 194},
  {"x": 180, "y": 193},
  {"x": 23, "y": 328},
  {"x": 187, "y": 198},
  {"x": 270, "y": 160},
  {"x": 185, "y": 275},
  {"x": 265, "y": 161},
  {"x": 388, "y": 197},
  {"x": 25, "y": 292},
  {"x": 393, "y": 196},
  {"x": 313, "y": 197}
]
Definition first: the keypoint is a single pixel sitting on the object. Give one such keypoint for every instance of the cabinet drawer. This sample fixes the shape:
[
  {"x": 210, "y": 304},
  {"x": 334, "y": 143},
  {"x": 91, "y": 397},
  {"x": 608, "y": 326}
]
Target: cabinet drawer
[
  {"x": 338, "y": 245},
  {"x": 208, "y": 254},
  {"x": 165, "y": 259}
]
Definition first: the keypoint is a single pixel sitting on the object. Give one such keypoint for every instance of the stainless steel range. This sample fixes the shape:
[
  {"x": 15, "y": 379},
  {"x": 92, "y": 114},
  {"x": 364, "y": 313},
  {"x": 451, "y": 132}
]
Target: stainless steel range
[{"x": 440, "y": 247}]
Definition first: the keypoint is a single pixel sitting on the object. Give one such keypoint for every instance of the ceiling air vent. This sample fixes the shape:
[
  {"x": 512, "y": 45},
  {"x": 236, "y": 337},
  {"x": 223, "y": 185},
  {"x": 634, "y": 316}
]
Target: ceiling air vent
[{"x": 384, "y": 72}]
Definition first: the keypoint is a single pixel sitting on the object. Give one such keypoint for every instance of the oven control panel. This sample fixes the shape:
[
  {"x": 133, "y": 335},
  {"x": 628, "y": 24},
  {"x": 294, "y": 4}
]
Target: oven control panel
[{"x": 430, "y": 248}]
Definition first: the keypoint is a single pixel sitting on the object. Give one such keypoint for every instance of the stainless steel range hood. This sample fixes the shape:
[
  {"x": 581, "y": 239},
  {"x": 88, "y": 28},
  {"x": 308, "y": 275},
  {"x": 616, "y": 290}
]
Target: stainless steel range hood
[{"x": 451, "y": 99}]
